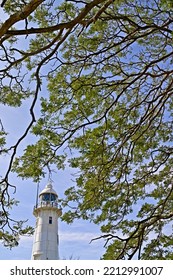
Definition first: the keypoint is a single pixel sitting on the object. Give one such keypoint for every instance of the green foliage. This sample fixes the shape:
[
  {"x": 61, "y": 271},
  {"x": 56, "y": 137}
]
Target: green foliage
[
  {"x": 12, "y": 96},
  {"x": 159, "y": 249},
  {"x": 2, "y": 140},
  {"x": 11, "y": 240},
  {"x": 14, "y": 7},
  {"x": 167, "y": 4},
  {"x": 41, "y": 155}
]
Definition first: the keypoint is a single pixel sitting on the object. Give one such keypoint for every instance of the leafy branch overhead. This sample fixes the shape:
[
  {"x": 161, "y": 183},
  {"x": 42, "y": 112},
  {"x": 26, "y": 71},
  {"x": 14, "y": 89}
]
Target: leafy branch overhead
[{"x": 102, "y": 71}]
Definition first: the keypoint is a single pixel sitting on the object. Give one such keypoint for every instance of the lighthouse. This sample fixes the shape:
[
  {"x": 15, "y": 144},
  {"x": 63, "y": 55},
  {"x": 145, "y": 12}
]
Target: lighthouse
[{"x": 46, "y": 211}]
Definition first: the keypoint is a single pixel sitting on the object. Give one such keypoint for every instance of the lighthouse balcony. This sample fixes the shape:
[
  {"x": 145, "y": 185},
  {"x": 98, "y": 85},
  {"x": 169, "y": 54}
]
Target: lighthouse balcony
[{"x": 46, "y": 204}]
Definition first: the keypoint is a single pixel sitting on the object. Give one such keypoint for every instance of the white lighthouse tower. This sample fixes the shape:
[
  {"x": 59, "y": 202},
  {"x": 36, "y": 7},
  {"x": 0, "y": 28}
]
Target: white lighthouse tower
[{"x": 46, "y": 241}]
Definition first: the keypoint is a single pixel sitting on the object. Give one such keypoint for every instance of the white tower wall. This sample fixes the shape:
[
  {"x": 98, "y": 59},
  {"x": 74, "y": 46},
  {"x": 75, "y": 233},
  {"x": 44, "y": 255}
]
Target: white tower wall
[{"x": 46, "y": 241}]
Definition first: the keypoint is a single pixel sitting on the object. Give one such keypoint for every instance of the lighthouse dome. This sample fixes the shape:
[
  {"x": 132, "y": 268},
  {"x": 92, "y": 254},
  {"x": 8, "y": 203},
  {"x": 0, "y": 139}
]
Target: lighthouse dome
[{"x": 48, "y": 193}]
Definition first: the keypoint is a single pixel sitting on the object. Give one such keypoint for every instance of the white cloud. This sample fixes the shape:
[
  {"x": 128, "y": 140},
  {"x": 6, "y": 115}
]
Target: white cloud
[{"x": 77, "y": 236}]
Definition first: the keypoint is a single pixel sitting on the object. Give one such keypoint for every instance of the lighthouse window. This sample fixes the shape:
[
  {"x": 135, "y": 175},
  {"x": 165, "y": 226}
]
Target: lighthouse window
[
  {"x": 48, "y": 197},
  {"x": 53, "y": 197},
  {"x": 50, "y": 220}
]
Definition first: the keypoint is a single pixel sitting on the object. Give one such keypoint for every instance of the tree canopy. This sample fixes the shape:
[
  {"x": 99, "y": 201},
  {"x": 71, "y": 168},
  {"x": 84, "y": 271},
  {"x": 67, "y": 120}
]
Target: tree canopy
[{"x": 102, "y": 71}]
